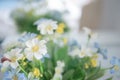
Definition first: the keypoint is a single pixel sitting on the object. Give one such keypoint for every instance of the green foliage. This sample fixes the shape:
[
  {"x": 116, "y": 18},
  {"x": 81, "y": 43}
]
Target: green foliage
[
  {"x": 74, "y": 67},
  {"x": 25, "y": 20}
]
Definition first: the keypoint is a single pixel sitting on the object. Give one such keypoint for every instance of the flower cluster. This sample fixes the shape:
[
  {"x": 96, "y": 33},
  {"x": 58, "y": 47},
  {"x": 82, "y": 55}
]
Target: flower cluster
[{"x": 50, "y": 55}]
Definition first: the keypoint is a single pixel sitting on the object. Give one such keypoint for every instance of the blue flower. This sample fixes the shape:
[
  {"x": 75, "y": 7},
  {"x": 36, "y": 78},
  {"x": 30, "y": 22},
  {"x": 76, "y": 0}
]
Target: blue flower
[
  {"x": 27, "y": 36},
  {"x": 11, "y": 75},
  {"x": 100, "y": 50},
  {"x": 115, "y": 62},
  {"x": 73, "y": 44}
]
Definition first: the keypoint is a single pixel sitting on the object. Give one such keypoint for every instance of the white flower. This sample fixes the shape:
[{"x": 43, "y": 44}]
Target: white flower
[
  {"x": 81, "y": 53},
  {"x": 90, "y": 33},
  {"x": 84, "y": 52},
  {"x": 13, "y": 56},
  {"x": 35, "y": 49},
  {"x": 46, "y": 26},
  {"x": 58, "y": 71},
  {"x": 11, "y": 42}
]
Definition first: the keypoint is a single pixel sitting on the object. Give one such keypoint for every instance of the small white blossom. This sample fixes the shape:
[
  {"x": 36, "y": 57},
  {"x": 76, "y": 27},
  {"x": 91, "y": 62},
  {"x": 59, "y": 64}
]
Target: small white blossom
[
  {"x": 13, "y": 56},
  {"x": 46, "y": 26},
  {"x": 58, "y": 71},
  {"x": 35, "y": 49},
  {"x": 81, "y": 53},
  {"x": 90, "y": 33}
]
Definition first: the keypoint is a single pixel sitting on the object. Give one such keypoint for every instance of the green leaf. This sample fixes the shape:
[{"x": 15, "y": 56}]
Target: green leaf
[
  {"x": 68, "y": 75},
  {"x": 110, "y": 78}
]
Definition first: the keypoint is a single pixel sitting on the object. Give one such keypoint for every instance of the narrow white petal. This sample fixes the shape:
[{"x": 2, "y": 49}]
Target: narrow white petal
[
  {"x": 29, "y": 44},
  {"x": 14, "y": 65},
  {"x": 29, "y": 56},
  {"x": 38, "y": 56}
]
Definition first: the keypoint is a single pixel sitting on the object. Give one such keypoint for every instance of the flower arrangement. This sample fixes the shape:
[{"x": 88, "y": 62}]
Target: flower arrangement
[{"x": 50, "y": 55}]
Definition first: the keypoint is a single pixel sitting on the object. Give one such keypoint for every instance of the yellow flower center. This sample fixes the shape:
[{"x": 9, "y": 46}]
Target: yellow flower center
[
  {"x": 36, "y": 72},
  {"x": 15, "y": 77},
  {"x": 82, "y": 53},
  {"x": 116, "y": 67},
  {"x": 93, "y": 62},
  {"x": 13, "y": 59},
  {"x": 62, "y": 25},
  {"x": 49, "y": 28},
  {"x": 35, "y": 48},
  {"x": 60, "y": 28},
  {"x": 86, "y": 66}
]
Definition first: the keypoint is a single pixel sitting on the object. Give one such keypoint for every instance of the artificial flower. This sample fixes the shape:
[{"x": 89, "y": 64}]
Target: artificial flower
[
  {"x": 27, "y": 36},
  {"x": 81, "y": 53},
  {"x": 35, "y": 49},
  {"x": 12, "y": 75},
  {"x": 58, "y": 71},
  {"x": 115, "y": 62},
  {"x": 100, "y": 50},
  {"x": 11, "y": 42},
  {"x": 13, "y": 56},
  {"x": 46, "y": 26}
]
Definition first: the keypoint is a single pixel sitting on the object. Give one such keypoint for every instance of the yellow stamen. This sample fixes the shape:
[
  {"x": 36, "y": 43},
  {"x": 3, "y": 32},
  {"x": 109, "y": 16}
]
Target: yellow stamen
[
  {"x": 15, "y": 77},
  {"x": 116, "y": 67},
  {"x": 13, "y": 59},
  {"x": 60, "y": 30},
  {"x": 36, "y": 72},
  {"x": 62, "y": 25},
  {"x": 65, "y": 40},
  {"x": 39, "y": 36},
  {"x": 24, "y": 63},
  {"x": 86, "y": 66},
  {"x": 93, "y": 62},
  {"x": 35, "y": 48},
  {"x": 49, "y": 28}
]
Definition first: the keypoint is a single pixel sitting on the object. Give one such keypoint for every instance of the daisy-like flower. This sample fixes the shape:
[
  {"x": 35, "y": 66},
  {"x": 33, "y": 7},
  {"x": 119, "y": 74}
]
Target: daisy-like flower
[
  {"x": 115, "y": 62},
  {"x": 12, "y": 58},
  {"x": 58, "y": 71},
  {"x": 35, "y": 49},
  {"x": 81, "y": 53},
  {"x": 27, "y": 36},
  {"x": 46, "y": 26},
  {"x": 12, "y": 75}
]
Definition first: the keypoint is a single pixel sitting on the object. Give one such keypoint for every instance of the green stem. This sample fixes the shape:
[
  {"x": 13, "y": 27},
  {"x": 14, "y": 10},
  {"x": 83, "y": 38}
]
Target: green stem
[
  {"x": 23, "y": 70},
  {"x": 88, "y": 41},
  {"x": 41, "y": 68}
]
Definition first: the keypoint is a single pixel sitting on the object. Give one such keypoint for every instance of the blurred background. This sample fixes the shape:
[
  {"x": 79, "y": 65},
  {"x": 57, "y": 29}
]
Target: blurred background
[{"x": 102, "y": 16}]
